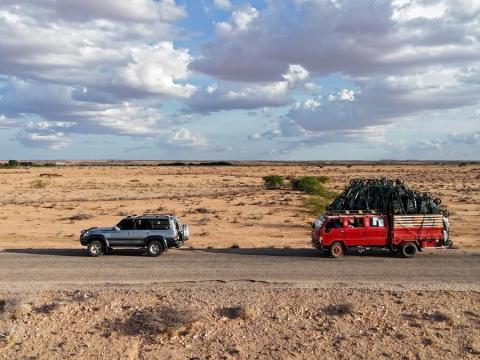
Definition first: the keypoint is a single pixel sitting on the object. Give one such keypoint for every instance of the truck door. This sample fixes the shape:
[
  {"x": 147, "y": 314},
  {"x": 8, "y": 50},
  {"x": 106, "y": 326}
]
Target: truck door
[
  {"x": 334, "y": 231},
  {"x": 356, "y": 231},
  {"x": 377, "y": 232}
]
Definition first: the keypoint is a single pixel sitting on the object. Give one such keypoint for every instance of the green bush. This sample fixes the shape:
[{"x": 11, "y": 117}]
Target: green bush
[
  {"x": 13, "y": 163},
  {"x": 273, "y": 181},
  {"x": 317, "y": 204},
  {"x": 313, "y": 185}
]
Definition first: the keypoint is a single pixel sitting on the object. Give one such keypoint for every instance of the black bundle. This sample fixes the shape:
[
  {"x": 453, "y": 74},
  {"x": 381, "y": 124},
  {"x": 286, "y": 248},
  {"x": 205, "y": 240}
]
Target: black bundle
[{"x": 385, "y": 196}]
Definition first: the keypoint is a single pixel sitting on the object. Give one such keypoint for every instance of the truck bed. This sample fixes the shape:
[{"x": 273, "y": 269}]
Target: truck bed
[{"x": 427, "y": 229}]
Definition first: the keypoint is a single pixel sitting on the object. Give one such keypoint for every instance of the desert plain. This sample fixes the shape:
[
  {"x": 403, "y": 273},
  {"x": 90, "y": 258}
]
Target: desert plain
[{"x": 227, "y": 207}]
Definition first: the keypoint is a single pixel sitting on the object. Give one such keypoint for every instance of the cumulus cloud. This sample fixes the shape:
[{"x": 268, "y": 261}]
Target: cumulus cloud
[
  {"x": 356, "y": 38},
  {"x": 185, "y": 138},
  {"x": 240, "y": 21},
  {"x": 101, "y": 66}
]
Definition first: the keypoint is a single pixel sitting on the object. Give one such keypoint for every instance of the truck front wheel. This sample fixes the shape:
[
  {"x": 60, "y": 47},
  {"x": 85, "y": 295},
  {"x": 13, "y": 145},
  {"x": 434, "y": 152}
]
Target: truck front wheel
[
  {"x": 336, "y": 250},
  {"x": 408, "y": 250}
]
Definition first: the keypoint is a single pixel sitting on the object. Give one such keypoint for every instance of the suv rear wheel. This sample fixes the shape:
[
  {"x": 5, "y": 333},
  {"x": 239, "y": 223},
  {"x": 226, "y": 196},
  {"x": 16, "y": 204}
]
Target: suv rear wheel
[
  {"x": 408, "y": 250},
  {"x": 154, "y": 248},
  {"x": 95, "y": 248},
  {"x": 336, "y": 249}
]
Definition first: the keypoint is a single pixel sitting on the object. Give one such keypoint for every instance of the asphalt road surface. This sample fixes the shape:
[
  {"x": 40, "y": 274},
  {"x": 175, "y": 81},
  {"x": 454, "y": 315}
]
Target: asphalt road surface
[{"x": 43, "y": 269}]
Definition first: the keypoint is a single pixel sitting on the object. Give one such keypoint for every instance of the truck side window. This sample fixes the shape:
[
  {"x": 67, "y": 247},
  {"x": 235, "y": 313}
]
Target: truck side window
[
  {"x": 333, "y": 224},
  {"x": 376, "y": 222},
  {"x": 355, "y": 222}
]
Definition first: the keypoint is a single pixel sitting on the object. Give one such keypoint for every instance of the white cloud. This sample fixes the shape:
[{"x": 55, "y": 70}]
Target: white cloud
[
  {"x": 223, "y": 4},
  {"x": 52, "y": 141},
  {"x": 227, "y": 96}
]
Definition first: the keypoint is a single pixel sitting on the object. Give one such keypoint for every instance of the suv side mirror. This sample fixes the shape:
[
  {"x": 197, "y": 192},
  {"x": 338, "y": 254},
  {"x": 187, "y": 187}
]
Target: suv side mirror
[{"x": 117, "y": 228}]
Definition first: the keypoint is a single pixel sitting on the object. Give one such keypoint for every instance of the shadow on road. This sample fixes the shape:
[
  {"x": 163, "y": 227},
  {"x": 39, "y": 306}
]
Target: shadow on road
[
  {"x": 70, "y": 252},
  {"x": 314, "y": 253}
]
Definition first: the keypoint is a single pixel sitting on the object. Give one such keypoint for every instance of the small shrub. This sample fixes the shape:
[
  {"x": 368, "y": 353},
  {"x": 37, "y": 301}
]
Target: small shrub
[
  {"x": 235, "y": 312},
  {"x": 160, "y": 320},
  {"x": 339, "y": 309},
  {"x": 439, "y": 316},
  {"x": 310, "y": 185},
  {"x": 273, "y": 182}
]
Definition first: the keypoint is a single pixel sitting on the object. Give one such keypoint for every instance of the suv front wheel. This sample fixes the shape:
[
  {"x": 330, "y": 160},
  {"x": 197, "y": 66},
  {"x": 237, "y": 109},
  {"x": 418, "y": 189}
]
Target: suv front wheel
[
  {"x": 95, "y": 248},
  {"x": 154, "y": 248}
]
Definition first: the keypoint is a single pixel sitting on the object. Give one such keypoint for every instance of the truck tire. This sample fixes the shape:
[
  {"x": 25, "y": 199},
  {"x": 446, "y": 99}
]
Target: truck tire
[
  {"x": 408, "y": 250},
  {"x": 154, "y": 248},
  {"x": 336, "y": 249},
  {"x": 95, "y": 248}
]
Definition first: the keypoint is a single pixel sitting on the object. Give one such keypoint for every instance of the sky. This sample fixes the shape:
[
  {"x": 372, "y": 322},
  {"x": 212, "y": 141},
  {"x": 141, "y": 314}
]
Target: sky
[{"x": 240, "y": 80}]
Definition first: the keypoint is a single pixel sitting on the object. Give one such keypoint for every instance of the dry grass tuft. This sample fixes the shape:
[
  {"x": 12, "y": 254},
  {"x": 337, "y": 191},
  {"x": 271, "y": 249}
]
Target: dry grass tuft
[
  {"x": 39, "y": 184},
  {"x": 81, "y": 216}
]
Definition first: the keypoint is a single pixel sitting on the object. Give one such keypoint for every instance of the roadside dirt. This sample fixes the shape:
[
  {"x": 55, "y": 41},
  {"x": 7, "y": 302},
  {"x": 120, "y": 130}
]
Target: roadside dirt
[
  {"x": 247, "y": 321},
  {"x": 225, "y": 206}
]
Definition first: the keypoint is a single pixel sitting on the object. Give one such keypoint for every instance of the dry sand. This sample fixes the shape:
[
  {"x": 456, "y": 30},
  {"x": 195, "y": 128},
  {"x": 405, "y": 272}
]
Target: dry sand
[{"x": 225, "y": 205}]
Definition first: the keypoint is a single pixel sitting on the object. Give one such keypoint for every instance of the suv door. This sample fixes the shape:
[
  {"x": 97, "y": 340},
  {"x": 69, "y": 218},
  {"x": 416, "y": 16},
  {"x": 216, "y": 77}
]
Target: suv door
[
  {"x": 124, "y": 236},
  {"x": 143, "y": 227}
]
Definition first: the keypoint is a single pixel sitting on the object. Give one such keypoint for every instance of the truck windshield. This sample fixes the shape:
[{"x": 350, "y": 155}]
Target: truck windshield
[{"x": 319, "y": 222}]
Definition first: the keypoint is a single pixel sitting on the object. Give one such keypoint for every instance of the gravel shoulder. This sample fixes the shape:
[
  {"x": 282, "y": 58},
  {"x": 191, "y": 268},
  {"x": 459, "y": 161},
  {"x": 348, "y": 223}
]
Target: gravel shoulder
[{"x": 239, "y": 321}]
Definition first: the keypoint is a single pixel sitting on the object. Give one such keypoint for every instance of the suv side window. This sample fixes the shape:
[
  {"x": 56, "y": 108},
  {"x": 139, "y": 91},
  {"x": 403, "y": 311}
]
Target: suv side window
[
  {"x": 143, "y": 224},
  {"x": 160, "y": 224},
  {"x": 126, "y": 224}
]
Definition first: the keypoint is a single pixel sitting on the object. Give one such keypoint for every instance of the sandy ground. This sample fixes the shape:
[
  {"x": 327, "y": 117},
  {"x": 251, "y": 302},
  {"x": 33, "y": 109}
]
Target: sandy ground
[
  {"x": 225, "y": 206},
  {"x": 247, "y": 321}
]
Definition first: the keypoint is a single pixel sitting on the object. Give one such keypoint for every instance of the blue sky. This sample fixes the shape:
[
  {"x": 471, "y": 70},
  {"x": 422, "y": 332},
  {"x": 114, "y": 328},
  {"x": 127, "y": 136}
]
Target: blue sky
[{"x": 234, "y": 79}]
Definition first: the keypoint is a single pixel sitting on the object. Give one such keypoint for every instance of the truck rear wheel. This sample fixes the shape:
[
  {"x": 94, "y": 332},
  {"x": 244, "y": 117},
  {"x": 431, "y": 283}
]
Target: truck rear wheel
[
  {"x": 408, "y": 250},
  {"x": 336, "y": 250}
]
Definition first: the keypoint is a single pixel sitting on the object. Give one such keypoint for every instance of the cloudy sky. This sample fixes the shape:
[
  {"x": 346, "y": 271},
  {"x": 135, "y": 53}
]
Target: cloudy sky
[{"x": 235, "y": 79}]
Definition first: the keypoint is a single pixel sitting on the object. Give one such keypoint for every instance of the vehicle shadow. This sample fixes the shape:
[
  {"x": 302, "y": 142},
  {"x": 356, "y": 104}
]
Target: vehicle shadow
[{"x": 71, "y": 252}]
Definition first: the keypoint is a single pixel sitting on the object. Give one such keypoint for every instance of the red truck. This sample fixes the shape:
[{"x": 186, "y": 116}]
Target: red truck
[{"x": 406, "y": 234}]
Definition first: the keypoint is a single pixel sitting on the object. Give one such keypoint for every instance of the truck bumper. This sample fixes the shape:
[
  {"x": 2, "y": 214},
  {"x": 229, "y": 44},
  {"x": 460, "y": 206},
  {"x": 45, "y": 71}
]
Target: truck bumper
[{"x": 316, "y": 243}]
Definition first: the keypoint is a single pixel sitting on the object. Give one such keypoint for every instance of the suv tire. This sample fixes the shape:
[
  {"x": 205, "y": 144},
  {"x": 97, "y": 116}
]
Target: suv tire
[
  {"x": 95, "y": 248},
  {"x": 154, "y": 248},
  {"x": 408, "y": 249},
  {"x": 336, "y": 250}
]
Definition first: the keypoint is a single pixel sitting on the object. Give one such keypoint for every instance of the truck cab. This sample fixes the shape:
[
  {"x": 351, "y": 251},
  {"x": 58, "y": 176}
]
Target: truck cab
[{"x": 338, "y": 232}]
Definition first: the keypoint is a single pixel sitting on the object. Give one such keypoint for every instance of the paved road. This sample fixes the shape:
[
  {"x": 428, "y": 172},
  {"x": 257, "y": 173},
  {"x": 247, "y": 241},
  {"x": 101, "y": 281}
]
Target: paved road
[{"x": 63, "y": 268}]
